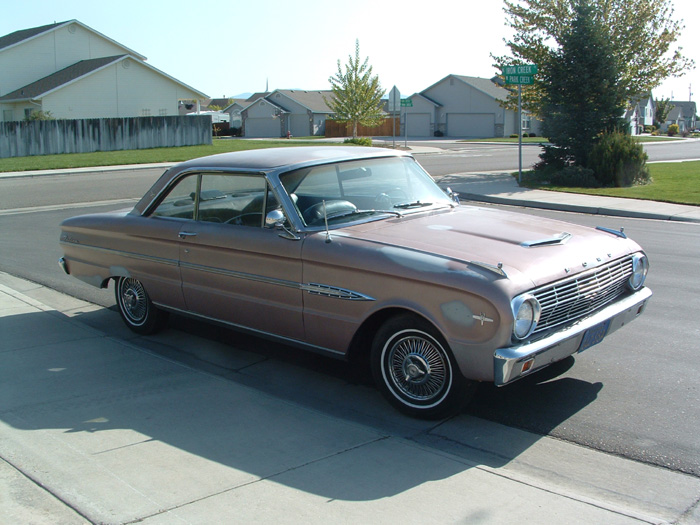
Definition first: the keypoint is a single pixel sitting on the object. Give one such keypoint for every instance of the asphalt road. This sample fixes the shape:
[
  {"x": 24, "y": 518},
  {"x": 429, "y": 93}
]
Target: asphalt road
[{"x": 635, "y": 394}]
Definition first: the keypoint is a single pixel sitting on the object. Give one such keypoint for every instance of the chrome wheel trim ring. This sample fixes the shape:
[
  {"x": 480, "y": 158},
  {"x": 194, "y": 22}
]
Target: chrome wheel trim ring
[
  {"x": 416, "y": 368},
  {"x": 133, "y": 300}
]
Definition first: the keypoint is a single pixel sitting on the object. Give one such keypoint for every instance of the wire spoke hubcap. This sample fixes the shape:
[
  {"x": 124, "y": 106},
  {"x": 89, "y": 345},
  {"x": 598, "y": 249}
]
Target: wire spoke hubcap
[
  {"x": 417, "y": 368},
  {"x": 133, "y": 299}
]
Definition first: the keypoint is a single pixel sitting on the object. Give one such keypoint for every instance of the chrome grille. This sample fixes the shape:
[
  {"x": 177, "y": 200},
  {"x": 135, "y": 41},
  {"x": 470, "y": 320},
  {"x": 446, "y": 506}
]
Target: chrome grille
[{"x": 582, "y": 294}]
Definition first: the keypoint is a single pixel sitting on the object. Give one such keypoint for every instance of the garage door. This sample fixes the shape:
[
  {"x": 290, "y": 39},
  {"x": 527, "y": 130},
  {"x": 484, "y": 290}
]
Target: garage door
[
  {"x": 471, "y": 125},
  {"x": 418, "y": 124},
  {"x": 262, "y": 127},
  {"x": 299, "y": 125}
]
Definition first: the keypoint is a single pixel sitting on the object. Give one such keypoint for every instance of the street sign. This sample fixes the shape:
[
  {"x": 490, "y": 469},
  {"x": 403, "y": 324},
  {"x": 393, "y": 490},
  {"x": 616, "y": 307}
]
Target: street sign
[
  {"x": 526, "y": 69},
  {"x": 406, "y": 103},
  {"x": 394, "y": 100},
  {"x": 520, "y": 79}
]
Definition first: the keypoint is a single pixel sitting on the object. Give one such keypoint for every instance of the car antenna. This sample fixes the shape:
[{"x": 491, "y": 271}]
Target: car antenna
[{"x": 325, "y": 218}]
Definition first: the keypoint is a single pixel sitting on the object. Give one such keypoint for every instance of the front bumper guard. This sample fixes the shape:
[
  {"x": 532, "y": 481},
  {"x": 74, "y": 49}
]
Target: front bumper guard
[{"x": 508, "y": 362}]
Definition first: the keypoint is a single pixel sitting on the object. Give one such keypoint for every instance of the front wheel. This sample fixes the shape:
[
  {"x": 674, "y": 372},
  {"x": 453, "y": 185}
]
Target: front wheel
[
  {"x": 415, "y": 371},
  {"x": 136, "y": 308}
]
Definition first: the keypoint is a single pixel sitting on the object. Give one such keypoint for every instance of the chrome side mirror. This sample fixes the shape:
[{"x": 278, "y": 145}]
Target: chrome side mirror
[
  {"x": 274, "y": 218},
  {"x": 452, "y": 195}
]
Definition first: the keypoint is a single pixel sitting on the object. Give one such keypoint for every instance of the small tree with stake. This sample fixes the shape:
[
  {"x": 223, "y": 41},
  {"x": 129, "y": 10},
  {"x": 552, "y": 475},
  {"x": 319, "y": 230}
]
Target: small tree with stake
[{"x": 357, "y": 94}]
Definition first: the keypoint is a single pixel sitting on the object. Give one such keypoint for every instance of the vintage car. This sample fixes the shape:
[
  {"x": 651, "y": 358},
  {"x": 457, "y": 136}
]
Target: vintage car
[{"x": 357, "y": 253}]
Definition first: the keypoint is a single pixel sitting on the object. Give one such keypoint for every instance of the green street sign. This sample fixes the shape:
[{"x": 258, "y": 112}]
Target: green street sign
[
  {"x": 527, "y": 69},
  {"x": 406, "y": 103},
  {"x": 520, "y": 79}
]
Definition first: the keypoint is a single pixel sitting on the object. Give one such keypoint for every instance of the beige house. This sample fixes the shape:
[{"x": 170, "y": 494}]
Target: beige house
[
  {"x": 461, "y": 106},
  {"x": 300, "y": 113},
  {"x": 75, "y": 72}
]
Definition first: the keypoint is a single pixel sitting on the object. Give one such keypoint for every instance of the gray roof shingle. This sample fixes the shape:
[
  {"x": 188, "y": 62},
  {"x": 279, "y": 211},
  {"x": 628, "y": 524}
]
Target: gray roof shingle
[
  {"x": 25, "y": 34},
  {"x": 60, "y": 78}
]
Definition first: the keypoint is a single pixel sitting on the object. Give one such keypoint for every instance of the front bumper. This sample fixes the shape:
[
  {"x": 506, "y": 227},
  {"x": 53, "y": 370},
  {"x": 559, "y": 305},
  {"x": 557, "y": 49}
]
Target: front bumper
[{"x": 509, "y": 362}]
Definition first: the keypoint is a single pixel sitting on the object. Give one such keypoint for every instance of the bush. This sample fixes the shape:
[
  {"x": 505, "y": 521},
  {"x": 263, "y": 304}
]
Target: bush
[
  {"x": 575, "y": 177},
  {"x": 532, "y": 134},
  {"x": 618, "y": 160},
  {"x": 513, "y": 136},
  {"x": 438, "y": 133},
  {"x": 360, "y": 141},
  {"x": 673, "y": 130},
  {"x": 649, "y": 129}
]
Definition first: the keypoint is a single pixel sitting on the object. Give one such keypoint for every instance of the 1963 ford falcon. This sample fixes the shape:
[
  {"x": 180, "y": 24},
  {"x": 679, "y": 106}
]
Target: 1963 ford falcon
[{"x": 357, "y": 253}]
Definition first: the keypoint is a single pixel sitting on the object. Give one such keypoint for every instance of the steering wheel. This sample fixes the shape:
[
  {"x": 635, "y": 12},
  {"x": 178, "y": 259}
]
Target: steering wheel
[{"x": 385, "y": 200}]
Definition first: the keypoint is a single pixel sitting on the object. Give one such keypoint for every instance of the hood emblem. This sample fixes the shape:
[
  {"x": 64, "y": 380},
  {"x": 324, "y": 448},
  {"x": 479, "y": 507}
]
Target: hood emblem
[{"x": 482, "y": 318}]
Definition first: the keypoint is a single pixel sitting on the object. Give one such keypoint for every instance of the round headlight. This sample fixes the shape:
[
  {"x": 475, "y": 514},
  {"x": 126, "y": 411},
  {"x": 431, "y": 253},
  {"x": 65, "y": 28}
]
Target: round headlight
[
  {"x": 640, "y": 267},
  {"x": 526, "y": 311}
]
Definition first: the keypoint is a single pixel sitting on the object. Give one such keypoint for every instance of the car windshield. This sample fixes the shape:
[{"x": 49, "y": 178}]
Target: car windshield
[{"x": 366, "y": 189}]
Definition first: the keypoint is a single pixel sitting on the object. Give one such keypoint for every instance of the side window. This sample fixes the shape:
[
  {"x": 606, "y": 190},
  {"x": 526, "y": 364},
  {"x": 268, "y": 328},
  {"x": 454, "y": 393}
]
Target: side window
[
  {"x": 179, "y": 202},
  {"x": 232, "y": 199}
]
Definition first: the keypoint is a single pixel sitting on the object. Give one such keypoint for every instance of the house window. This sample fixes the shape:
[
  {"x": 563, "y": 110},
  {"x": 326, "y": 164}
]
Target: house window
[
  {"x": 146, "y": 112},
  {"x": 525, "y": 122},
  {"x": 28, "y": 112}
]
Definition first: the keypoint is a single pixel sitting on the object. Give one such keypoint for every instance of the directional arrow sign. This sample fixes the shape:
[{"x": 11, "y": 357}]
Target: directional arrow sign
[{"x": 527, "y": 69}]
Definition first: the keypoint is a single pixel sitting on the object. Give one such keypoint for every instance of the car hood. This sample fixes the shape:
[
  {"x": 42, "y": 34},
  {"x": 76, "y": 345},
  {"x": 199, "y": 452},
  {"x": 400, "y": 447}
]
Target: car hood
[{"x": 532, "y": 250}]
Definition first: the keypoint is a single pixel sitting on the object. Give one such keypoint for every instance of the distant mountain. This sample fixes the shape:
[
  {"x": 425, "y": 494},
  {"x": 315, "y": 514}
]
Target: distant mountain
[{"x": 244, "y": 96}]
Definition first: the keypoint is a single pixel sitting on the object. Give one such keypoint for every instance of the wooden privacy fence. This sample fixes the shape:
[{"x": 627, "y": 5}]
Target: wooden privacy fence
[
  {"x": 344, "y": 129},
  {"x": 48, "y": 137}
]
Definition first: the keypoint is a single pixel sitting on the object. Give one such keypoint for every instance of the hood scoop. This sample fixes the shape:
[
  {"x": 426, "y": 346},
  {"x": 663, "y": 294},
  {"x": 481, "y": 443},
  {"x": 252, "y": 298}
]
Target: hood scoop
[{"x": 561, "y": 238}]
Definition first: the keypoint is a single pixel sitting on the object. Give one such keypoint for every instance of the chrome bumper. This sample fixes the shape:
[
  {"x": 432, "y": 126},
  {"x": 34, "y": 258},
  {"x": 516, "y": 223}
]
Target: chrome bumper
[{"x": 508, "y": 362}]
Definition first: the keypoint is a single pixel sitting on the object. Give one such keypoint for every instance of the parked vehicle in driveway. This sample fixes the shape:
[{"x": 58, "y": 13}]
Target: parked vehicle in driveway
[{"x": 357, "y": 253}]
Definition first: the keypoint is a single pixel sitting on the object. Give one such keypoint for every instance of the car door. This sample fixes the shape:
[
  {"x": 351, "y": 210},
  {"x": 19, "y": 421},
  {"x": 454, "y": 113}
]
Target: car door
[{"x": 233, "y": 268}]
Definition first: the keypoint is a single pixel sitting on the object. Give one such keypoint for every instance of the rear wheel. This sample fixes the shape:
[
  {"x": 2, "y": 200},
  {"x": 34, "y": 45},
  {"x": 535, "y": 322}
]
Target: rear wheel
[
  {"x": 414, "y": 369},
  {"x": 136, "y": 308}
]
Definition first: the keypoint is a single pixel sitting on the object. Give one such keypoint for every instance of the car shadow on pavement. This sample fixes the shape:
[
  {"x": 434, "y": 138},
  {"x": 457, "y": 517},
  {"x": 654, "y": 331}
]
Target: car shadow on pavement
[{"x": 201, "y": 407}]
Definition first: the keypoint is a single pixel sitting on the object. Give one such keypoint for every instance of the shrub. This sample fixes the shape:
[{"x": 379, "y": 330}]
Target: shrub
[
  {"x": 532, "y": 134},
  {"x": 618, "y": 160},
  {"x": 649, "y": 129},
  {"x": 673, "y": 130},
  {"x": 575, "y": 177},
  {"x": 360, "y": 141},
  {"x": 513, "y": 136}
]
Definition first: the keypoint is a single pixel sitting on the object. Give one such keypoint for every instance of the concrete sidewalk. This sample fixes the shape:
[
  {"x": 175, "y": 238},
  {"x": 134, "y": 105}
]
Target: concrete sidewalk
[
  {"x": 503, "y": 188},
  {"x": 97, "y": 427}
]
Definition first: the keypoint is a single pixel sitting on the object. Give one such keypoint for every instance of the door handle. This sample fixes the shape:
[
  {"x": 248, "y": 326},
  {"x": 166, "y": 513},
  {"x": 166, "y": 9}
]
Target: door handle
[{"x": 182, "y": 235}]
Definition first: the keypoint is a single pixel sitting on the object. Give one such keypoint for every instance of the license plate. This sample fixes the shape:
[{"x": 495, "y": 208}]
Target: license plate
[{"x": 594, "y": 335}]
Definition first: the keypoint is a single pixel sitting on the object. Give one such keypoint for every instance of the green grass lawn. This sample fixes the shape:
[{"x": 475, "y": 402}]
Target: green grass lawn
[
  {"x": 677, "y": 182},
  {"x": 142, "y": 156}
]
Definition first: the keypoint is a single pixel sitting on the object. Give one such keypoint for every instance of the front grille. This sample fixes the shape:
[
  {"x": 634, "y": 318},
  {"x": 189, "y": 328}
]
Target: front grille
[{"x": 576, "y": 297}]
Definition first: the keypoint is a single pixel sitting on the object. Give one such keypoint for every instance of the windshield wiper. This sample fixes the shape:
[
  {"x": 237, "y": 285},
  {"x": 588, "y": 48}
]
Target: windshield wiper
[
  {"x": 359, "y": 212},
  {"x": 416, "y": 204}
]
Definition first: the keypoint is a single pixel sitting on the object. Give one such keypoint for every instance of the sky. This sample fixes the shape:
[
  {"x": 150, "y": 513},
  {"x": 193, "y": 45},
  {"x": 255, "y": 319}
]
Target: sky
[{"x": 228, "y": 47}]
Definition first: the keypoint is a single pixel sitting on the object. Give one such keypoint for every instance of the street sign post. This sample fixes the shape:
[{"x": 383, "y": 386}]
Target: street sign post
[
  {"x": 406, "y": 103},
  {"x": 522, "y": 75},
  {"x": 394, "y": 107}
]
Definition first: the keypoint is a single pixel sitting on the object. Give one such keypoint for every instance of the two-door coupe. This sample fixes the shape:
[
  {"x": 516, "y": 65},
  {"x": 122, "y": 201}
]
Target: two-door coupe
[{"x": 357, "y": 253}]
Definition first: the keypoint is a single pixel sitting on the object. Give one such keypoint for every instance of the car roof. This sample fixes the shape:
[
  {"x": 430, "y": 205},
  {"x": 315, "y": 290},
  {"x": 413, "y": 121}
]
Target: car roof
[{"x": 273, "y": 158}]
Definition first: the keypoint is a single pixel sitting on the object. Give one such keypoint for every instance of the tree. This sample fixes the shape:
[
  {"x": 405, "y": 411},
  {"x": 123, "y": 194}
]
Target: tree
[
  {"x": 642, "y": 34},
  {"x": 357, "y": 95},
  {"x": 581, "y": 92},
  {"x": 663, "y": 108}
]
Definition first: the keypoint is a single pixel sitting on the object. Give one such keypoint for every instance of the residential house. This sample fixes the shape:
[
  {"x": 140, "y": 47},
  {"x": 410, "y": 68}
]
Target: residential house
[
  {"x": 284, "y": 112},
  {"x": 640, "y": 113},
  {"x": 462, "y": 106},
  {"x": 75, "y": 72},
  {"x": 683, "y": 113}
]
